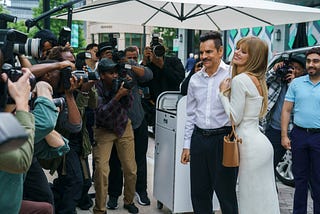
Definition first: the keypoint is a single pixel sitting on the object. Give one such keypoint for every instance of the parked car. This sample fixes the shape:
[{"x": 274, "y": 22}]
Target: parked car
[{"x": 284, "y": 168}]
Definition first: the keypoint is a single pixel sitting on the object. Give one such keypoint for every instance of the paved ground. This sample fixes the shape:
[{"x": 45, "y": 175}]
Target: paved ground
[{"x": 285, "y": 195}]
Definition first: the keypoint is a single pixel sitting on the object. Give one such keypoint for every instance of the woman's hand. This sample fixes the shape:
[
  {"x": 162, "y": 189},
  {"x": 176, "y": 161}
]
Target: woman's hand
[{"x": 225, "y": 84}]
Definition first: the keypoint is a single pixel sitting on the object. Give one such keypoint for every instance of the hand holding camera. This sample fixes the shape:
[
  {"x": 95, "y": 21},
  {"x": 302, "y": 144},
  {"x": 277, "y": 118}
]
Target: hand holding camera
[
  {"x": 20, "y": 90},
  {"x": 122, "y": 92}
]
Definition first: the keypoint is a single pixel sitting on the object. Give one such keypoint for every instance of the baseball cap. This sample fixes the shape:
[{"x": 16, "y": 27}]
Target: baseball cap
[
  {"x": 103, "y": 46},
  {"x": 106, "y": 65}
]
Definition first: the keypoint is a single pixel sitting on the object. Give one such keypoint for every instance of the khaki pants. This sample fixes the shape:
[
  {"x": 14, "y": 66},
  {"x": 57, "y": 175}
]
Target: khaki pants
[{"x": 101, "y": 155}]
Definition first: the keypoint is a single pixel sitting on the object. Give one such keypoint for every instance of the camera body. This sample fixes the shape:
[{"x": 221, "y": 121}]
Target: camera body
[
  {"x": 283, "y": 71},
  {"x": 156, "y": 47},
  {"x": 67, "y": 73},
  {"x": 122, "y": 78},
  {"x": 64, "y": 36},
  {"x": 14, "y": 74}
]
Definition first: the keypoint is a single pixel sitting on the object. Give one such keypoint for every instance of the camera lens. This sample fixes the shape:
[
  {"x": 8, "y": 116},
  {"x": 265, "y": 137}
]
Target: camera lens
[{"x": 30, "y": 48}]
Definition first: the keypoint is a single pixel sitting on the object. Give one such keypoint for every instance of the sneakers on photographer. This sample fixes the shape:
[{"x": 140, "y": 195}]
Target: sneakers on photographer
[
  {"x": 112, "y": 203},
  {"x": 143, "y": 198},
  {"x": 131, "y": 208}
]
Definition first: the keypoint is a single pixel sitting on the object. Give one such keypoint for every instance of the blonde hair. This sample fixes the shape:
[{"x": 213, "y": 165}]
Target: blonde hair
[{"x": 256, "y": 65}]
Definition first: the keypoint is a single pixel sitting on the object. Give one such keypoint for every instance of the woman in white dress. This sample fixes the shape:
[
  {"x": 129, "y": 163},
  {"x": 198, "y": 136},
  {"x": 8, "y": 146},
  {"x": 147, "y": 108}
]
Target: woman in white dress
[{"x": 248, "y": 102}]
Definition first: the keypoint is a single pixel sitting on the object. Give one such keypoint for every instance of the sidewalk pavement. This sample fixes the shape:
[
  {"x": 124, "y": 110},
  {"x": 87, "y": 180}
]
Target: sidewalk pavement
[{"x": 285, "y": 194}]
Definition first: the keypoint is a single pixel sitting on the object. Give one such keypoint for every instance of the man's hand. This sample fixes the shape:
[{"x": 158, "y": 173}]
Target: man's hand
[
  {"x": 185, "y": 156},
  {"x": 43, "y": 89},
  {"x": 121, "y": 92},
  {"x": 285, "y": 142},
  {"x": 65, "y": 64},
  {"x": 20, "y": 90}
]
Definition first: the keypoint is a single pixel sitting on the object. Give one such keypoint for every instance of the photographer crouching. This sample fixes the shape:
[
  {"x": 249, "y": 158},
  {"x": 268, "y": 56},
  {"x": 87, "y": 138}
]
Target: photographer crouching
[{"x": 113, "y": 127}]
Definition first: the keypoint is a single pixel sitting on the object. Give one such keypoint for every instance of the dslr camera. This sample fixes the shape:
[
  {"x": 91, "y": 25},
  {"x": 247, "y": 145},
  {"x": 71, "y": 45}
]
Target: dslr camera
[
  {"x": 157, "y": 48},
  {"x": 13, "y": 74},
  {"x": 286, "y": 68},
  {"x": 67, "y": 73},
  {"x": 122, "y": 78}
]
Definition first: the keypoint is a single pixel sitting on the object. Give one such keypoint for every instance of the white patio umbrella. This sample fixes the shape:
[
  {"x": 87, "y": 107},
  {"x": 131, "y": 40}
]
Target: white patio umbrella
[{"x": 195, "y": 14}]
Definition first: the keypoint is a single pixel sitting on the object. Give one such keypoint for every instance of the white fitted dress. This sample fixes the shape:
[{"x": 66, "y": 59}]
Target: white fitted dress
[{"x": 257, "y": 188}]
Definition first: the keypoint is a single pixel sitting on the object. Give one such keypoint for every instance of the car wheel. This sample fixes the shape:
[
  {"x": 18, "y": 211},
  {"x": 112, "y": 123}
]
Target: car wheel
[{"x": 284, "y": 170}]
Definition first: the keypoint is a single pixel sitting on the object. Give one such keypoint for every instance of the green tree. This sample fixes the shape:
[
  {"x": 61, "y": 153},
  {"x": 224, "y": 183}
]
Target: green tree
[{"x": 55, "y": 24}]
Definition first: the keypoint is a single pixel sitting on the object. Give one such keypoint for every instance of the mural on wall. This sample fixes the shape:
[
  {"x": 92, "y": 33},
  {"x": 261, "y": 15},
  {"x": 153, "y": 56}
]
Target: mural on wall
[{"x": 265, "y": 33}]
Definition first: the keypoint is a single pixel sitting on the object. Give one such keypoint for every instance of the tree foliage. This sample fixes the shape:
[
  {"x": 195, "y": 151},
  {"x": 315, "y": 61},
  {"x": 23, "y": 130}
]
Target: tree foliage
[{"x": 55, "y": 24}]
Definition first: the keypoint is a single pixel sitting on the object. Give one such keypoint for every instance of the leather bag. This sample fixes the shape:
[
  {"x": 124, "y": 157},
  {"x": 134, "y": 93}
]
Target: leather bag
[{"x": 231, "y": 157}]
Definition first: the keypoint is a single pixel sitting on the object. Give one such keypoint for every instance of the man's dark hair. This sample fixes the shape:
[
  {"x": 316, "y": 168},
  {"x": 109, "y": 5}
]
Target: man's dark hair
[
  {"x": 212, "y": 35},
  {"x": 130, "y": 49},
  {"x": 90, "y": 46},
  {"x": 313, "y": 51},
  {"x": 46, "y": 36},
  {"x": 55, "y": 52}
]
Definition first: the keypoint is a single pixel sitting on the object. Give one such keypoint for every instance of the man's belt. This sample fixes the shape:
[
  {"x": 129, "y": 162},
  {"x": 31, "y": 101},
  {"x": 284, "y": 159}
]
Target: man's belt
[
  {"x": 310, "y": 130},
  {"x": 209, "y": 132}
]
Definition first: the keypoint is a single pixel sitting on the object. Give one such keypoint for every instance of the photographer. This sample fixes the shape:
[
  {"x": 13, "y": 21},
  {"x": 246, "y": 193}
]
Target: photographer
[
  {"x": 48, "y": 144},
  {"x": 69, "y": 122},
  {"x": 168, "y": 72},
  {"x": 139, "y": 74},
  {"x": 16, "y": 162},
  {"x": 278, "y": 80},
  {"x": 113, "y": 127}
]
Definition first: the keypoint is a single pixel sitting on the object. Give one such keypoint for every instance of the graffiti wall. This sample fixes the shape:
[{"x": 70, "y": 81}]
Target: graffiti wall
[{"x": 267, "y": 34}]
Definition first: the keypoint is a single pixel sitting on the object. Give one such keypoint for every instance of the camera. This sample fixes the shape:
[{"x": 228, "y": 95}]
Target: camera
[
  {"x": 285, "y": 69},
  {"x": 64, "y": 36},
  {"x": 122, "y": 78},
  {"x": 67, "y": 73},
  {"x": 59, "y": 102},
  {"x": 157, "y": 49},
  {"x": 14, "y": 74},
  {"x": 30, "y": 48}
]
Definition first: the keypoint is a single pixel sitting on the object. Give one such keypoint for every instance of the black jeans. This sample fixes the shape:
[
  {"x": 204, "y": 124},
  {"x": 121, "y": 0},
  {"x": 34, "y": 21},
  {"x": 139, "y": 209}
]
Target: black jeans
[
  {"x": 36, "y": 186},
  {"x": 140, "y": 147},
  {"x": 208, "y": 175},
  {"x": 69, "y": 186}
]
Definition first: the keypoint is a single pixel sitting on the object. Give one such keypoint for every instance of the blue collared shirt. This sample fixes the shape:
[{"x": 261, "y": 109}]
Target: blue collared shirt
[
  {"x": 204, "y": 107},
  {"x": 306, "y": 98}
]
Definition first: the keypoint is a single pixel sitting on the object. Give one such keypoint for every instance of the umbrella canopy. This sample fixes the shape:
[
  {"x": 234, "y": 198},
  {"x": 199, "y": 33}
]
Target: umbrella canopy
[{"x": 195, "y": 14}]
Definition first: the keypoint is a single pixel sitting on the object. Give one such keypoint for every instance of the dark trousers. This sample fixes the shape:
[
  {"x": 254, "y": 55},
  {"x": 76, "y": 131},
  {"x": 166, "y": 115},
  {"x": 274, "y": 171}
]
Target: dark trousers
[
  {"x": 274, "y": 136},
  {"x": 36, "y": 186},
  {"x": 305, "y": 147},
  {"x": 68, "y": 186},
  {"x": 208, "y": 175},
  {"x": 140, "y": 147}
]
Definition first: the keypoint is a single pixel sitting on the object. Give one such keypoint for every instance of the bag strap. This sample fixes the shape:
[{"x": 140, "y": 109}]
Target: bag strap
[
  {"x": 256, "y": 82},
  {"x": 233, "y": 131}
]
